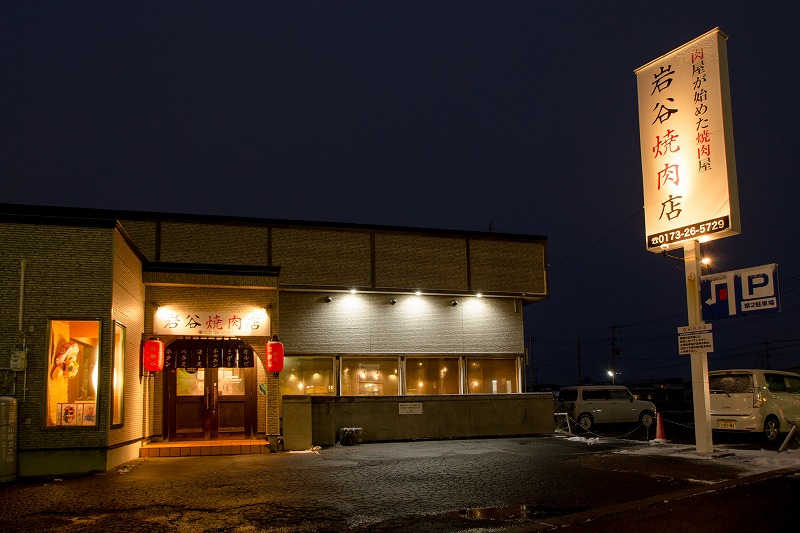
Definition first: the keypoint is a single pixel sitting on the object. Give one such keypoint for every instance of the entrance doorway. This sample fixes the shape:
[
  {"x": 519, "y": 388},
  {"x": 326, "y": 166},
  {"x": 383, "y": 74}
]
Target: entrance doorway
[
  {"x": 210, "y": 389},
  {"x": 211, "y": 403}
]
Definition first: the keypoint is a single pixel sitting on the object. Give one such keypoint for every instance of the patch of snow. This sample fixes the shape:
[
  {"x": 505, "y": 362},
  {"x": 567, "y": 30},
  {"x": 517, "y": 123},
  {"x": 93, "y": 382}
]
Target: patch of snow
[
  {"x": 753, "y": 461},
  {"x": 590, "y": 441},
  {"x": 313, "y": 449}
]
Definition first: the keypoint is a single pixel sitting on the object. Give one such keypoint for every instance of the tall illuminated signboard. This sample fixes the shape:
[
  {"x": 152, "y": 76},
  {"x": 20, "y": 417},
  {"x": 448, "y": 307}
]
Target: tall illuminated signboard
[{"x": 688, "y": 165}]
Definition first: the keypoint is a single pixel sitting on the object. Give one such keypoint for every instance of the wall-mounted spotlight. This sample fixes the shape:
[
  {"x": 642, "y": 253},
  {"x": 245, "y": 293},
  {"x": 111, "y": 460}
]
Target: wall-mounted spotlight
[
  {"x": 454, "y": 303},
  {"x": 327, "y": 299},
  {"x": 392, "y": 301}
]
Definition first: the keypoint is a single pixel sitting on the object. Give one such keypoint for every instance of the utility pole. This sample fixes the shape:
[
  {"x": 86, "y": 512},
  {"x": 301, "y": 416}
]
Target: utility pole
[
  {"x": 615, "y": 351},
  {"x": 580, "y": 376},
  {"x": 766, "y": 356},
  {"x": 530, "y": 361}
]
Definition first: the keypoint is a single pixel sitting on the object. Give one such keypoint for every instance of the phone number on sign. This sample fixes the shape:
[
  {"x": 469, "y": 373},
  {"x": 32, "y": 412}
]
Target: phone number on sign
[{"x": 689, "y": 232}]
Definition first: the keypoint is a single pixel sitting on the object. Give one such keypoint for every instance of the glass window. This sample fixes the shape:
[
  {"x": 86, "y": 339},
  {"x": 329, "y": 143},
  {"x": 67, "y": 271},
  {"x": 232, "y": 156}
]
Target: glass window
[
  {"x": 775, "y": 382},
  {"x": 794, "y": 384},
  {"x": 230, "y": 381},
  {"x": 595, "y": 394},
  {"x": 72, "y": 372},
  {"x": 491, "y": 376},
  {"x": 307, "y": 375},
  {"x": 730, "y": 383},
  {"x": 118, "y": 375},
  {"x": 190, "y": 381},
  {"x": 620, "y": 394},
  {"x": 568, "y": 395},
  {"x": 363, "y": 376},
  {"x": 432, "y": 376}
]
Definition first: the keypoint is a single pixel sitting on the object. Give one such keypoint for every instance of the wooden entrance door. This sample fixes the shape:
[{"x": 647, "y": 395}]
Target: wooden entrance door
[{"x": 211, "y": 403}]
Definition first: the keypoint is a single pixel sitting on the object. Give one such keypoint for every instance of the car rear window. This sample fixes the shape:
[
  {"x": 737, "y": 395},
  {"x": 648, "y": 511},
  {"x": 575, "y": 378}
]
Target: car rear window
[
  {"x": 730, "y": 383},
  {"x": 568, "y": 395}
]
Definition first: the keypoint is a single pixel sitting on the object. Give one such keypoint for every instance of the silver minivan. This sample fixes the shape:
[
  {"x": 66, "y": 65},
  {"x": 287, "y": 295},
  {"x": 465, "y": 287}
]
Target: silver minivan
[
  {"x": 754, "y": 400},
  {"x": 604, "y": 404}
]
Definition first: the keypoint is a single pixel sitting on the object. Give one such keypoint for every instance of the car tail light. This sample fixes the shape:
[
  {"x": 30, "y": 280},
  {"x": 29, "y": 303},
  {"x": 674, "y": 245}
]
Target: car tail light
[{"x": 758, "y": 399}]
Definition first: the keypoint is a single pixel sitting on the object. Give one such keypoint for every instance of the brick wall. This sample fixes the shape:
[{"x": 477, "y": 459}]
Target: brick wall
[
  {"x": 322, "y": 257},
  {"x": 507, "y": 266},
  {"x": 128, "y": 310},
  {"x": 213, "y": 243},
  {"x": 420, "y": 261},
  {"x": 370, "y": 323},
  {"x": 362, "y": 257},
  {"x": 68, "y": 275}
]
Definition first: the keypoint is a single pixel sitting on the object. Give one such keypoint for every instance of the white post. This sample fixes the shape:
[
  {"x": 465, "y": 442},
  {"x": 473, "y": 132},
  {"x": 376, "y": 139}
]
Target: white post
[{"x": 700, "y": 394}]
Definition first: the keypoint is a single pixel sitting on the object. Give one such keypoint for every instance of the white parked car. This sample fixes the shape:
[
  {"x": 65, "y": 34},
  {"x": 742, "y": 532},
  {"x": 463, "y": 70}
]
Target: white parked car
[
  {"x": 754, "y": 400},
  {"x": 604, "y": 404}
]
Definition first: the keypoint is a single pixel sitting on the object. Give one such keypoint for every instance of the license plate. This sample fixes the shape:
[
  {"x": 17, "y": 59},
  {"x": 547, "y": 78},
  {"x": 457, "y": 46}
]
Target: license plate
[{"x": 727, "y": 424}]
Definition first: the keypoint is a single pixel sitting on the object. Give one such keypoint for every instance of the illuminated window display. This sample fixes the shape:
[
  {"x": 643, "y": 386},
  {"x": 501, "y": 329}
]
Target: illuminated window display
[
  {"x": 72, "y": 373},
  {"x": 370, "y": 376},
  {"x": 491, "y": 376},
  {"x": 373, "y": 376},
  {"x": 432, "y": 376},
  {"x": 308, "y": 375},
  {"x": 118, "y": 375}
]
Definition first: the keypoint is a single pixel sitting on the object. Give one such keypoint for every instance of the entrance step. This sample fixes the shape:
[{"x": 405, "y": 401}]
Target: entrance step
[{"x": 203, "y": 447}]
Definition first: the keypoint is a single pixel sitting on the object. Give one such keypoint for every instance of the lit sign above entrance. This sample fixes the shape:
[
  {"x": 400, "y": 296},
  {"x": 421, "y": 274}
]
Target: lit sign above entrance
[{"x": 247, "y": 323}]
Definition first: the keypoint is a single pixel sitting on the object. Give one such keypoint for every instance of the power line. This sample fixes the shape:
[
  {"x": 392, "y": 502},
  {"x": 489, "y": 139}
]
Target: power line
[{"x": 600, "y": 239}]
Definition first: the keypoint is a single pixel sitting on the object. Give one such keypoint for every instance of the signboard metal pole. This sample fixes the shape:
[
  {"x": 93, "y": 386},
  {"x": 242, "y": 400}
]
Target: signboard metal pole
[{"x": 700, "y": 391}]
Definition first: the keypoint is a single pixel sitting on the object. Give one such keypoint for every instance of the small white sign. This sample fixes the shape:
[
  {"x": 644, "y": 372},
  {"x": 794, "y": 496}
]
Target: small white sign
[
  {"x": 689, "y": 343},
  {"x": 694, "y": 329},
  {"x": 411, "y": 408}
]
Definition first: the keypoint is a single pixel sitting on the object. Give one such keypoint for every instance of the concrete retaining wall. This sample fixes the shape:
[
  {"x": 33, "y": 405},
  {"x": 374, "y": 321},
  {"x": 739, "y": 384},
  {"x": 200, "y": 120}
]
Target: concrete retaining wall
[{"x": 316, "y": 420}]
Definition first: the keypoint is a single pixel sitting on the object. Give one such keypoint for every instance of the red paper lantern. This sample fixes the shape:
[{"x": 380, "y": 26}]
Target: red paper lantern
[
  {"x": 153, "y": 355},
  {"x": 274, "y": 355}
]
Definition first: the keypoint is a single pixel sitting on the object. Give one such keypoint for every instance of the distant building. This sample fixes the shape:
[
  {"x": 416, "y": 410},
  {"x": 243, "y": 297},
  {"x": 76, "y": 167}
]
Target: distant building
[{"x": 363, "y": 311}]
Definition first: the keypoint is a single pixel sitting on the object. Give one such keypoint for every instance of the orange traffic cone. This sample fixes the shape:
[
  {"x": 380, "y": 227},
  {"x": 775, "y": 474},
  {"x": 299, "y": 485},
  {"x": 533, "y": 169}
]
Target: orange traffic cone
[{"x": 660, "y": 430}]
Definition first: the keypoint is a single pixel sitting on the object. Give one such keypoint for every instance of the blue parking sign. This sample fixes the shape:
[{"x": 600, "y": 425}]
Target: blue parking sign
[{"x": 740, "y": 292}]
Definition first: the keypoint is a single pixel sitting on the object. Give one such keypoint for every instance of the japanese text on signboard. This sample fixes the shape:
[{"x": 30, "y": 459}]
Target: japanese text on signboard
[
  {"x": 211, "y": 323},
  {"x": 688, "y": 175}
]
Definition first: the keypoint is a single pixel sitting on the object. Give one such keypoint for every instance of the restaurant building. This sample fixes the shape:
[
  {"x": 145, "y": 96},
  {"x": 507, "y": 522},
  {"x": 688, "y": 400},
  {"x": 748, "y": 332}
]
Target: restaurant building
[{"x": 396, "y": 314}]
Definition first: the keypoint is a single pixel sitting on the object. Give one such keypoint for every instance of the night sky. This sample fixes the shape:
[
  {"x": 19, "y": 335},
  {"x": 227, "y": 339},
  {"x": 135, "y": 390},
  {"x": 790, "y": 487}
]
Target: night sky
[{"x": 501, "y": 116}]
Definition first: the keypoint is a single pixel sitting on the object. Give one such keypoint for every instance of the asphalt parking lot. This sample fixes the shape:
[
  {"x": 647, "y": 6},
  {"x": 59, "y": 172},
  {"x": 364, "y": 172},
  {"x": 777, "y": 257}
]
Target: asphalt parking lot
[{"x": 524, "y": 484}]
